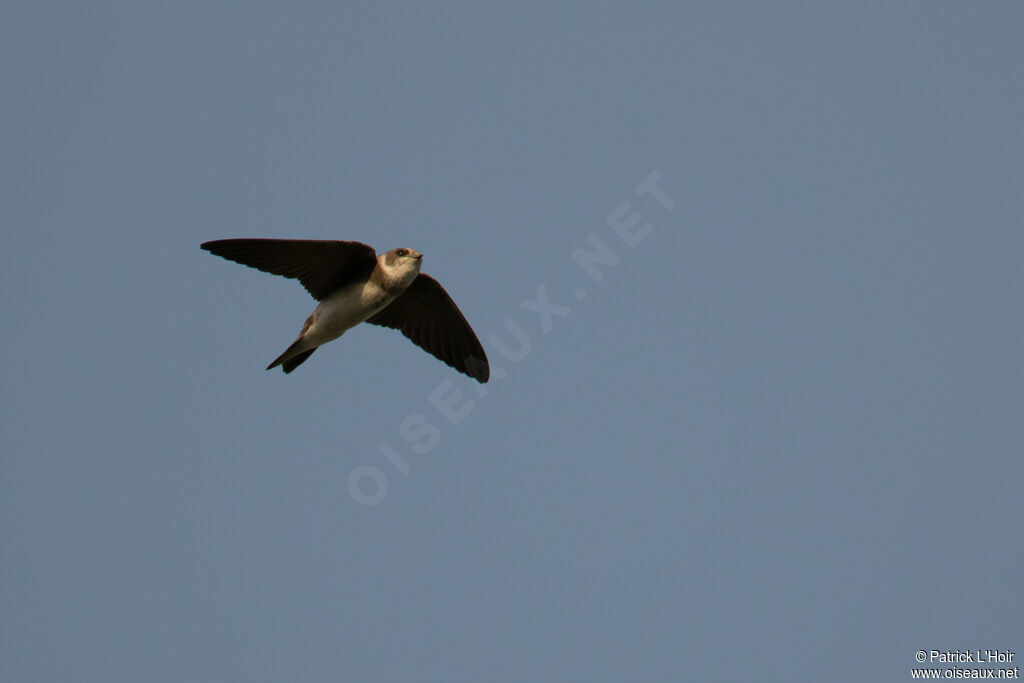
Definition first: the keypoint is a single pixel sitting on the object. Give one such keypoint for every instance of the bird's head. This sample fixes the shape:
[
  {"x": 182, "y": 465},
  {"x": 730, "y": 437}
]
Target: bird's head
[{"x": 401, "y": 266}]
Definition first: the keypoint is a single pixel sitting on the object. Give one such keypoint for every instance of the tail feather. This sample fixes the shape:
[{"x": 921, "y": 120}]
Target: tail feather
[
  {"x": 292, "y": 357},
  {"x": 295, "y": 362}
]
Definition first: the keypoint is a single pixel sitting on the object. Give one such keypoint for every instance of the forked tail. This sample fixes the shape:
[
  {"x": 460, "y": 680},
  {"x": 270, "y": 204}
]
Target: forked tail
[{"x": 289, "y": 360}]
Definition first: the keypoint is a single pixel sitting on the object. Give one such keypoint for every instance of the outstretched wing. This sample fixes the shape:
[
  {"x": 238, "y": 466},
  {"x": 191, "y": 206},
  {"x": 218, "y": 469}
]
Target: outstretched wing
[
  {"x": 322, "y": 266},
  {"x": 430, "y": 319}
]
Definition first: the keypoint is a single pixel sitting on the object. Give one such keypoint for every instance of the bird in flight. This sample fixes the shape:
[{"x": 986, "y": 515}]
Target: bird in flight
[{"x": 353, "y": 285}]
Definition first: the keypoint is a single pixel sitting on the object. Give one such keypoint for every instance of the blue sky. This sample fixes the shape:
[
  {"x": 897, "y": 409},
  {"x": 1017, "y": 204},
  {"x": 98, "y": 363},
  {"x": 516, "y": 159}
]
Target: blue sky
[{"x": 779, "y": 438}]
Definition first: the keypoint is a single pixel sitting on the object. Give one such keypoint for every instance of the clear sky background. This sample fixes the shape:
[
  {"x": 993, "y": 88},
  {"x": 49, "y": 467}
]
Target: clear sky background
[{"x": 780, "y": 439}]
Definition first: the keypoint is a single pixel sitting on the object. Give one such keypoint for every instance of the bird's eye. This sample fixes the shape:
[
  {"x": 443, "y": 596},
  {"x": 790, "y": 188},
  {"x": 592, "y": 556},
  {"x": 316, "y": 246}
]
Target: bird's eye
[{"x": 402, "y": 252}]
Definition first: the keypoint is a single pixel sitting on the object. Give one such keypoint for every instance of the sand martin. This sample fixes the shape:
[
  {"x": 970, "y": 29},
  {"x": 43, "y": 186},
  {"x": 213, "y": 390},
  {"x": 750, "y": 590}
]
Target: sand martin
[{"x": 353, "y": 285}]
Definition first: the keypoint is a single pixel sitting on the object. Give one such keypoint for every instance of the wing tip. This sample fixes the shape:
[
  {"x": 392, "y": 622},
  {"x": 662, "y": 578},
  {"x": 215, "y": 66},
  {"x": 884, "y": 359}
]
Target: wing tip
[{"x": 476, "y": 368}]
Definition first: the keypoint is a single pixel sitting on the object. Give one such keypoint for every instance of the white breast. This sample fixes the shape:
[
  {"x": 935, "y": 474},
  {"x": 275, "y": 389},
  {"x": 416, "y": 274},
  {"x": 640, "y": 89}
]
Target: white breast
[{"x": 345, "y": 309}]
